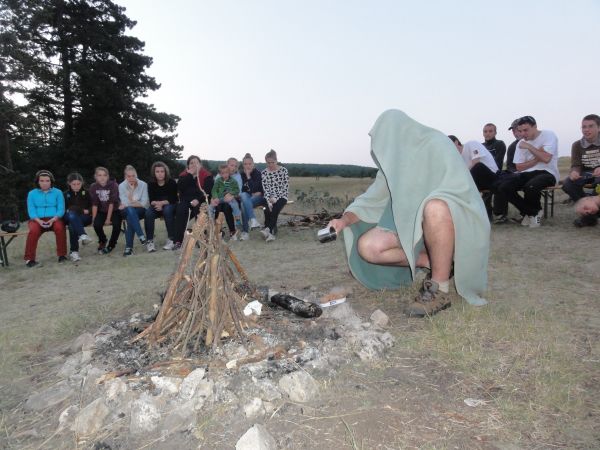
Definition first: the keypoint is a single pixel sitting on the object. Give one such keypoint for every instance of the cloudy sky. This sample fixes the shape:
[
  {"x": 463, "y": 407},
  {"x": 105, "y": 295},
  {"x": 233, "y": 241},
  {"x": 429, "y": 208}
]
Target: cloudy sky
[{"x": 308, "y": 78}]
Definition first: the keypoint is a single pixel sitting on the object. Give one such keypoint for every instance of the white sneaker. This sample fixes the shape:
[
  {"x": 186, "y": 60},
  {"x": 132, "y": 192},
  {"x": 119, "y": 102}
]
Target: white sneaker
[
  {"x": 526, "y": 221},
  {"x": 536, "y": 221},
  {"x": 265, "y": 232},
  {"x": 75, "y": 256},
  {"x": 253, "y": 223},
  {"x": 169, "y": 245},
  {"x": 270, "y": 237},
  {"x": 150, "y": 246},
  {"x": 244, "y": 236},
  {"x": 85, "y": 239},
  {"x": 233, "y": 237}
]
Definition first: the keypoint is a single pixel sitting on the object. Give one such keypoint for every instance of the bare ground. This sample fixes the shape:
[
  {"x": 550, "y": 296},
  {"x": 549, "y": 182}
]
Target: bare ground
[{"x": 532, "y": 355}]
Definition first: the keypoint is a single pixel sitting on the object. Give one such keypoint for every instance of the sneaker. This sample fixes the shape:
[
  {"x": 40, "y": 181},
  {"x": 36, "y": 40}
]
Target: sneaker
[
  {"x": 233, "y": 236},
  {"x": 74, "y": 256},
  {"x": 498, "y": 220},
  {"x": 106, "y": 250},
  {"x": 525, "y": 221},
  {"x": 101, "y": 247},
  {"x": 429, "y": 301},
  {"x": 169, "y": 245},
  {"x": 150, "y": 246},
  {"x": 536, "y": 221},
  {"x": 128, "y": 251},
  {"x": 265, "y": 232},
  {"x": 62, "y": 259},
  {"x": 143, "y": 240},
  {"x": 176, "y": 246},
  {"x": 85, "y": 239},
  {"x": 253, "y": 223},
  {"x": 32, "y": 263},
  {"x": 244, "y": 236},
  {"x": 270, "y": 238},
  {"x": 586, "y": 221}
]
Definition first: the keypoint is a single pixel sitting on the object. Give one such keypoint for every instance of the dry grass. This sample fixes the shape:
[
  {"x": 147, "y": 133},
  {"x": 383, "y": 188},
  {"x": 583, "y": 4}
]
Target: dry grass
[{"x": 533, "y": 353}]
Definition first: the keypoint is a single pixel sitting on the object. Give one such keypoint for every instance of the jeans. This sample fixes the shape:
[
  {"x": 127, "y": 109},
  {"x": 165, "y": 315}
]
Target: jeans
[
  {"x": 532, "y": 183},
  {"x": 249, "y": 202},
  {"x": 272, "y": 214},
  {"x": 574, "y": 189},
  {"x": 36, "y": 230},
  {"x": 168, "y": 212},
  {"x": 133, "y": 215},
  {"x": 235, "y": 207},
  {"x": 115, "y": 220},
  {"x": 76, "y": 222}
]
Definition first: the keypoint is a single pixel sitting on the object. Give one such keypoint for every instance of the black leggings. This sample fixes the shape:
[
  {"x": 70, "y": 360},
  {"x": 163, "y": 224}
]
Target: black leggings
[
  {"x": 226, "y": 209},
  {"x": 116, "y": 227},
  {"x": 272, "y": 214}
]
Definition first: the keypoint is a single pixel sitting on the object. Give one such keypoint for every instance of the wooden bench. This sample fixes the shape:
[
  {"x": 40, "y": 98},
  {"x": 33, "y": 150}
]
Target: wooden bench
[
  {"x": 5, "y": 240},
  {"x": 547, "y": 198}
]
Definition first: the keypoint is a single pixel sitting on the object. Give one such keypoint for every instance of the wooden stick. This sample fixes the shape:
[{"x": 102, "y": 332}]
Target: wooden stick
[{"x": 212, "y": 300}]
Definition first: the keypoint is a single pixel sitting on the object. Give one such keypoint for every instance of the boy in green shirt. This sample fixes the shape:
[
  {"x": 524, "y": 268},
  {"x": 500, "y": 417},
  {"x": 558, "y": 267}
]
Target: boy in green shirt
[{"x": 224, "y": 193}]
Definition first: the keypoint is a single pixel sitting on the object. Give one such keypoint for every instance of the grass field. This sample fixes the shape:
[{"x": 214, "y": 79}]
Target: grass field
[{"x": 532, "y": 356}]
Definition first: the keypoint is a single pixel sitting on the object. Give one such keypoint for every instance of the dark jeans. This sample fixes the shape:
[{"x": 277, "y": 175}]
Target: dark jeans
[
  {"x": 500, "y": 201},
  {"x": 183, "y": 211},
  {"x": 532, "y": 184},
  {"x": 482, "y": 175},
  {"x": 574, "y": 189},
  {"x": 168, "y": 212},
  {"x": 226, "y": 209},
  {"x": 272, "y": 214},
  {"x": 116, "y": 227},
  {"x": 133, "y": 215},
  {"x": 76, "y": 223}
]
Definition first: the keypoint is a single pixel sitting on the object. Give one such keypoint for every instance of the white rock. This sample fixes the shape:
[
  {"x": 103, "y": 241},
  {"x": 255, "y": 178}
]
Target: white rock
[
  {"x": 180, "y": 419},
  {"x": 67, "y": 417},
  {"x": 190, "y": 384},
  {"x": 256, "y": 438},
  {"x": 167, "y": 385},
  {"x": 90, "y": 419},
  {"x": 115, "y": 388},
  {"x": 145, "y": 415},
  {"x": 49, "y": 397},
  {"x": 71, "y": 365},
  {"x": 83, "y": 342},
  {"x": 254, "y": 409},
  {"x": 380, "y": 318},
  {"x": 299, "y": 386}
]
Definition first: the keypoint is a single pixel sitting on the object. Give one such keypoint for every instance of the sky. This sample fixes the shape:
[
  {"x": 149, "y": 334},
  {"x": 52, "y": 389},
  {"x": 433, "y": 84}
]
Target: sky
[{"x": 309, "y": 78}]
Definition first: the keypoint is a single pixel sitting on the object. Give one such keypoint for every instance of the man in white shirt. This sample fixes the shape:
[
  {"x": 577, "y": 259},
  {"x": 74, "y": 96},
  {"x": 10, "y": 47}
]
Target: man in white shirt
[
  {"x": 479, "y": 161},
  {"x": 536, "y": 159}
]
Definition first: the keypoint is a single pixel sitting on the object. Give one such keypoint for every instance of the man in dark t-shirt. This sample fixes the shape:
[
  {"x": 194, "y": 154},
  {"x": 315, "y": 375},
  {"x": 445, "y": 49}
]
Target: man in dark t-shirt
[{"x": 497, "y": 148}]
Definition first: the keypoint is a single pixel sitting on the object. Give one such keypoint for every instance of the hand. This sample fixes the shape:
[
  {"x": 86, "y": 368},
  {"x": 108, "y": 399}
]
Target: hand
[
  {"x": 272, "y": 200},
  {"x": 214, "y": 202},
  {"x": 121, "y": 206},
  {"x": 158, "y": 206},
  {"x": 86, "y": 211},
  {"x": 596, "y": 172},
  {"x": 574, "y": 175},
  {"x": 228, "y": 197},
  {"x": 194, "y": 203},
  {"x": 257, "y": 194},
  {"x": 337, "y": 224}
]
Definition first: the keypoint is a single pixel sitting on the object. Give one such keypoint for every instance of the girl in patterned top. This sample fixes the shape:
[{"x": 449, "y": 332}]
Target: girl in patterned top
[{"x": 275, "y": 181}]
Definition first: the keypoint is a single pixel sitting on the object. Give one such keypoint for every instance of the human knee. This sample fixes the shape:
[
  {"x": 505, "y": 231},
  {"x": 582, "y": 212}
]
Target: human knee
[
  {"x": 368, "y": 248},
  {"x": 436, "y": 210}
]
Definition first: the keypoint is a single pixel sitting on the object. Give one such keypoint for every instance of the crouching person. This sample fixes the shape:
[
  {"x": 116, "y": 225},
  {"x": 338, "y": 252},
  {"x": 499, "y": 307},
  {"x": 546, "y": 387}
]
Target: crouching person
[
  {"x": 46, "y": 207},
  {"x": 422, "y": 211}
]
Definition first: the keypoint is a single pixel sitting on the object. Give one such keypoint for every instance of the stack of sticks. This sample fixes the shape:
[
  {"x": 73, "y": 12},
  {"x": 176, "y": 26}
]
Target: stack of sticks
[{"x": 201, "y": 304}]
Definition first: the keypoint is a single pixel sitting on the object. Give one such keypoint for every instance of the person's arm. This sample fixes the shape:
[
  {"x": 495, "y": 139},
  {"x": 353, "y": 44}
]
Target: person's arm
[
  {"x": 31, "y": 209},
  {"x": 108, "y": 220},
  {"x": 87, "y": 203},
  {"x": 123, "y": 198},
  {"x": 575, "y": 162},
  {"x": 144, "y": 201},
  {"x": 234, "y": 188},
  {"x": 539, "y": 153},
  {"x": 473, "y": 162},
  {"x": 94, "y": 212},
  {"x": 60, "y": 205},
  {"x": 347, "y": 219},
  {"x": 172, "y": 192}
]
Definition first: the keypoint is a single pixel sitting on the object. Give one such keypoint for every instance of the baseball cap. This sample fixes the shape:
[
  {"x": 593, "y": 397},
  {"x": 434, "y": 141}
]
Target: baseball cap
[{"x": 513, "y": 124}]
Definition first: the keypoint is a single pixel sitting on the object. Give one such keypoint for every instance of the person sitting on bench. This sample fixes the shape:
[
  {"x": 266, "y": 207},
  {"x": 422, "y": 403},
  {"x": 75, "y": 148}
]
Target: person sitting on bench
[{"x": 46, "y": 207}]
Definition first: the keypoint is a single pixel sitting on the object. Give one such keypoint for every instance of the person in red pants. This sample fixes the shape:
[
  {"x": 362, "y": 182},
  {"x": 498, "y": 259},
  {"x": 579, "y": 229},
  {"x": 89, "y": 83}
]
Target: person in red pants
[{"x": 45, "y": 206}]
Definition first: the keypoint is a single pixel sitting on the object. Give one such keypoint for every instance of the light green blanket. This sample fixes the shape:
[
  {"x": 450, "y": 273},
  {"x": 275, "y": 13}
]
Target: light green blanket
[{"x": 416, "y": 164}]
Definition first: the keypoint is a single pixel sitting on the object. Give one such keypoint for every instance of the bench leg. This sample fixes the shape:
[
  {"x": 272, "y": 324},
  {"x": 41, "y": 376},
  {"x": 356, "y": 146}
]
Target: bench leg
[
  {"x": 545, "y": 196},
  {"x": 552, "y": 203},
  {"x": 3, "y": 254}
]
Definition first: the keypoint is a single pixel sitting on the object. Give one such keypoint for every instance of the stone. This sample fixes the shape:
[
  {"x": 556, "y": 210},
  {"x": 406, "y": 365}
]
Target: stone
[
  {"x": 299, "y": 386},
  {"x": 267, "y": 390},
  {"x": 387, "y": 339},
  {"x": 115, "y": 388},
  {"x": 90, "y": 419},
  {"x": 179, "y": 419},
  {"x": 256, "y": 438},
  {"x": 380, "y": 318},
  {"x": 83, "y": 342},
  {"x": 51, "y": 396},
  {"x": 190, "y": 384},
  {"x": 145, "y": 415},
  {"x": 167, "y": 385},
  {"x": 254, "y": 409},
  {"x": 104, "y": 334},
  {"x": 71, "y": 366},
  {"x": 67, "y": 417}
]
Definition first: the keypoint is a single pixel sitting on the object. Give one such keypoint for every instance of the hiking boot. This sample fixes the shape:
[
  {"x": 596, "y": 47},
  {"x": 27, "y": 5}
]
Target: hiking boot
[
  {"x": 101, "y": 247},
  {"x": 62, "y": 259},
  {"x": 106, "y": 250},
  {"x": 150, "y": 246},
  {"x": 169, "y": 245},
  {"x": 253, "y": 223},
  {"x": 128, "y": 251},
  {"x": 32, "y": 263},
  {"x": 501, "y": 219},
  {"x": 586, "y": 221},
  {"x": 75, "y": 256},
  {"x": 429, "y": 301}
]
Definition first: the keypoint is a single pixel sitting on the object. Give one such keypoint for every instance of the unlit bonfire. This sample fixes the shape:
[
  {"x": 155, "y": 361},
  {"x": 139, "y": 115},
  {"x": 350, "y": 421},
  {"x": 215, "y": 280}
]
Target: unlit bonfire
[{"x": 141, "y": 381}]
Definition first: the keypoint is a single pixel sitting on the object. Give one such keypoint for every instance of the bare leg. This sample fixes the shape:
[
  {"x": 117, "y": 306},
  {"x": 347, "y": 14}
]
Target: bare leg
[
  {"x": 438, "y": 231},
  {"x": 378, "y": 246}
]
